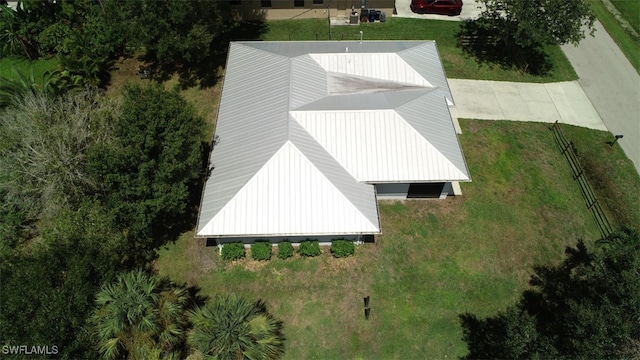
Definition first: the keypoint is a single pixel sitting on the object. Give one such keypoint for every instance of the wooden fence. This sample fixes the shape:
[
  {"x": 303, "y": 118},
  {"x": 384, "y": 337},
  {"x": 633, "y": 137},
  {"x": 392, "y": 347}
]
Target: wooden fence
[{"x": 568, "y": 150}]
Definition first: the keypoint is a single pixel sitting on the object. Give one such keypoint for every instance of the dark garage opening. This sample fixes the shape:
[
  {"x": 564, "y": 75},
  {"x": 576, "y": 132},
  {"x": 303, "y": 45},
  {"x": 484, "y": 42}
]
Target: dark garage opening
[{"x": 425, "y": 191}]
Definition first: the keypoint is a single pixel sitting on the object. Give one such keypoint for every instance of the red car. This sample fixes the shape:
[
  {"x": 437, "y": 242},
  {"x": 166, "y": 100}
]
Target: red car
[{"x": 443, "y": 7}]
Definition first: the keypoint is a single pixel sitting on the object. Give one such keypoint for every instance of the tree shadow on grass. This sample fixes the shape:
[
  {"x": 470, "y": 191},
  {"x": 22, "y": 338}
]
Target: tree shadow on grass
[{"x": 488, "y": 48}]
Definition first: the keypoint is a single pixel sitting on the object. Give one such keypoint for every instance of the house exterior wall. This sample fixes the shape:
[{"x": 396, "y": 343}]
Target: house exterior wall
[
  {"x": 295, "y": 240},
  {"x": 305, "y": 9},
  {"x": 392, "y": 191},
  {"x": 399, "y": 191},
  {"x": 447, "y": 189}
]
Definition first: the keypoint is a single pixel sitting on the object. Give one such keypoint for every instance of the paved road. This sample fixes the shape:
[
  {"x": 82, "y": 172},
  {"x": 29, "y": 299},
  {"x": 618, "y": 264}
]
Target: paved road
[
  {"x": 612, "y": 85},
  {"x": 501, "y": 100}
]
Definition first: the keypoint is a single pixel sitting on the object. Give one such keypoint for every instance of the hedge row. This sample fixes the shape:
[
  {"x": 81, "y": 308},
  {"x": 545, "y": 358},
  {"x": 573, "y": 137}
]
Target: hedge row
[{"x": 261, "y": 250}]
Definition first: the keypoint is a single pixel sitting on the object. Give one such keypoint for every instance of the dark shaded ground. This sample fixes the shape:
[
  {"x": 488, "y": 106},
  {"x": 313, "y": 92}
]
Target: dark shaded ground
[{"x": 481, "y": 42}]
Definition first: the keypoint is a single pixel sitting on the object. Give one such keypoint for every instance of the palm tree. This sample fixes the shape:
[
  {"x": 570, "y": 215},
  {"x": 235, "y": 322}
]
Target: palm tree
[
  {"x": 142, "y": 316},
  {"x": 52, "y": 83},
  {"x": 233, "y": 327},
  {"x": 13, "y": 37},
  {"x": 92, "y": 72}
]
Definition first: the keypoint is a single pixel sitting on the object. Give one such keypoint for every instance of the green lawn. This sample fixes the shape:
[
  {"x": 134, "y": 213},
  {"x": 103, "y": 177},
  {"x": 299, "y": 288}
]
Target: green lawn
[
  {"x": 434, "y": 260},
  {"x": 610, "y": 173},
  {"x": 629, "y": 45},
  {"x": 7, "y": 66},
  {"x": 630, "y": 10},
  {"x": 456, "y": 63}
]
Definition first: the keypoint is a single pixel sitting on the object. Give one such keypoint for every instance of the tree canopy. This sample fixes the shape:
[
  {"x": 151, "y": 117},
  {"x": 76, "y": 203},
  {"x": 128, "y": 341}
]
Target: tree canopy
[
  {"x": 44, "y": 146},
  {"x": 150, "y": 173},
  {"x": 69, "y": 221},
  {"x": 234, "y": 327},
  {"x": 535, "y": 23},
  {"x": 88, "y": 36},
  {"x": 588, "y": 307},
  {"x": 142, "y": 316},
  {"x": 48, "y": 284},
  {"x": 514, "y": 33}
]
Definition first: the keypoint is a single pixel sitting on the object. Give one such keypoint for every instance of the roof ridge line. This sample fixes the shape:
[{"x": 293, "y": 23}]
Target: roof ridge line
[
  {"x": 429, "y": 143},
  {"x": 334, "y": 185},
  {"x": 246, "y": 183}
]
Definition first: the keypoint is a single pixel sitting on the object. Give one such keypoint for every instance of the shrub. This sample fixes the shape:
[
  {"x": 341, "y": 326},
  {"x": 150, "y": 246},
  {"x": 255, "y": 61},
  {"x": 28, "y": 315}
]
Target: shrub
[
  {"x": 310, "y": 248},
  {"x": 233, "y": 251},
  {"x": 261, "y": 250},
  {"x": 285, "y": 250},
  {"x": 342, "y": 248}
]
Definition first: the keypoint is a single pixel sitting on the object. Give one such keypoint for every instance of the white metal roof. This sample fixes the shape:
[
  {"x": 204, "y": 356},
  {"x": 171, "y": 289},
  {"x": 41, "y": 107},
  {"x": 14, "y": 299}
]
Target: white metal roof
[
  {"x": 305, "y": 127},
  {"x": 378, "y": 146},
  {"x": 306, "y": 198}
]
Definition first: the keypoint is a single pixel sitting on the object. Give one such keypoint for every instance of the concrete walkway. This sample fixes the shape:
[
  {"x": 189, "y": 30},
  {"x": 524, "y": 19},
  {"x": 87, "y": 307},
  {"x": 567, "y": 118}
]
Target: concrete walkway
[
  {"x": 565, "y": 102},
  {"x": 613, "y": 86}
]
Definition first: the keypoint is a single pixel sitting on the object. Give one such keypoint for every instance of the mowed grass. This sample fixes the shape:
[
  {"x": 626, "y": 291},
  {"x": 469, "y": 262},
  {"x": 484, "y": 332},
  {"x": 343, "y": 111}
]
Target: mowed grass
[
  {"x": 457, "y": 64},
  {"x": 630, "y": 11},
  {"x": 434, "y": 260},
  {"x": 9, "y": 66},
  {"x": 610, "y": 173},
  {"x": 629, "y": 44}
]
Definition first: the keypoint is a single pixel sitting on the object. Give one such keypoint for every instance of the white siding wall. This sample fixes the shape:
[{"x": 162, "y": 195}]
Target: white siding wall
[
  {"x": 294, "y": 240},
  {"x": 392, "y": 191}
]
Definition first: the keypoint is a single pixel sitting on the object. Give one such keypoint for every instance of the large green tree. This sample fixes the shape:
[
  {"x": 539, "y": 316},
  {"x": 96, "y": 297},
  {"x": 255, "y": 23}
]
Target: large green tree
[
  {"x": 152, "y": 172},
  {"x": 233, "y": 327},
  {"x": 173, "y": 32},
  {"x": 141, "y": 316},
  {"x": 516, "y": 33},
  {"x": 588, "y": 307},
  {"x": 63, "y": 218},
  {"x": 48, "y": 284},
  {"x": 536, "y": 23}
]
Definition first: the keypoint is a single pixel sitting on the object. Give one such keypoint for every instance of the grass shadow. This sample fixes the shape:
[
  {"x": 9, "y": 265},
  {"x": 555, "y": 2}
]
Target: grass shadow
[{"x": 482, "y": 43}]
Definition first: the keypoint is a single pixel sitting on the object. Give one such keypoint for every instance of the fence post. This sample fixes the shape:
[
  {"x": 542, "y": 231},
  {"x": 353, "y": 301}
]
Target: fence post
[{"x": 578, "y": 175}]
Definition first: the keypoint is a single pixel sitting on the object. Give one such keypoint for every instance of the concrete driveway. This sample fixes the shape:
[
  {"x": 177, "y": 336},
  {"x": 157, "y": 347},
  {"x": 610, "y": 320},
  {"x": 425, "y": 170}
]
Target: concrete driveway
[
  {"x": 470, "y": 10},
  {"x": 501, "y": 100}
]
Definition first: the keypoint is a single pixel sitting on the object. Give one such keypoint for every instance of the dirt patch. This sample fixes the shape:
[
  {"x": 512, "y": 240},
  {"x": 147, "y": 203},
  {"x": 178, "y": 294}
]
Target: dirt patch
[
  {"x": 252, "y": 265},
  {"x": 125, "y": 71},
  {"x": 202, "y": 259},
  {"x": 472, "y": 126},
  {"x": 204, "y": 99}
]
